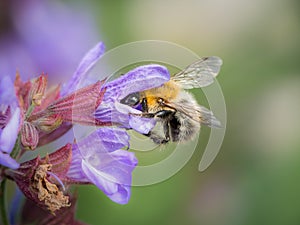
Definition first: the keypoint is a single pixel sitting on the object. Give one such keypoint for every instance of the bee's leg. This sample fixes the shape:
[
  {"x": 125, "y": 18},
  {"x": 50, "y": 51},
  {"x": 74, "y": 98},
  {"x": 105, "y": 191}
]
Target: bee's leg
[
  {"x": 161, "y": 114},
  {"x": 156, "y": 138},
  {"x": 146, "y": 115},
  {"x": 167, "y": 132},
  {"x": 164, "y": 114}
]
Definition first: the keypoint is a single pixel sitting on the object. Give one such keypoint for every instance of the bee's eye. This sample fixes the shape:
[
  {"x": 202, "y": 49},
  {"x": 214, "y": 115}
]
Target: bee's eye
[{"x": 131, "y": 99}]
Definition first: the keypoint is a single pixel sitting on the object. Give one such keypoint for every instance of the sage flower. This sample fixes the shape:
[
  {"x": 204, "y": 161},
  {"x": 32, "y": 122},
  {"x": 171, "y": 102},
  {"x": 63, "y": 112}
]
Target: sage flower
[
  {"x": 10, "y": 120},
  {"x": 100, "y": 159}
]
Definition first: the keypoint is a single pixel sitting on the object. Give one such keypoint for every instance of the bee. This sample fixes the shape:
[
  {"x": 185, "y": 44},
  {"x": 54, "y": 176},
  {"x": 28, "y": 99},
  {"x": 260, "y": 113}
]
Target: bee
[{"x": 177, "y": 112}]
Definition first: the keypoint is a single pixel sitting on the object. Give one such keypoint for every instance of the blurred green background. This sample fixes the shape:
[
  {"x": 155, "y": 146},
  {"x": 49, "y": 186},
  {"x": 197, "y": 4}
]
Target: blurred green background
[{"x": 255, "y": 178}]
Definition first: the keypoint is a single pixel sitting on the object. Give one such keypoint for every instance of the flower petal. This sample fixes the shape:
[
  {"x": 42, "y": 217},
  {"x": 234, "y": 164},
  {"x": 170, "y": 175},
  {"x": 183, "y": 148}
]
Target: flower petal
[
  {"x": 116, "y": 192},
  {"x": 141, "y": 124},
  {"x": 10, "y": 132},
  {"x": 104, "y": 140},
  {"x": 113, "y": 174},
  {"x": 7, "y": 92},
  {"x": 6, "y": 160},
  {"x": 114, "y": 167},
  {"x": 138, "y": 123},
  {"x": 101, "y": 180},
  {"x": 94, "y": 146},
  {"x": 96, "y": 160},
  {"x": 122, "y": 196},
  {"x": 85, "y": 65},
  {"x": 136, "y": 80},
  {"x": 75, "y": 172}
]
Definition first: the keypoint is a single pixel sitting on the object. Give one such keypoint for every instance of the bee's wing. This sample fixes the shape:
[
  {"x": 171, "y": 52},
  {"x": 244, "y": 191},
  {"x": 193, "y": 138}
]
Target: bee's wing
[
  {"x": 200, "y": 114},
  {"x": 199, "y": 74},
  {"x": 207, "y": 118}
]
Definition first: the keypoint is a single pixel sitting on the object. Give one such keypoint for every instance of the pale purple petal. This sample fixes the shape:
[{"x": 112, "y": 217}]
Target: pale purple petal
[
  {"x": 113, "y": 177},
  {"x": 115, "y": 166},
  {"x": 122, "y": 196},
  {"x": 104, "y": 140},
  {"x": 141, "y": 124},
  {"x": 101, "y": 141},
  {"x": 138, "y": 123},
  {"x": 103, "y": 181},
  {"x": 9, "y": 134},
  {"x": 6, "y": 160},
  {"x": 120, "y": 115},
  {"x": 9, "y": 131},
  {"x": 98, "y": 161},
  {"x": 75, "y": 171},
  {"x": 7, "y": 92},
  {"x": 136, "y": 80},
  {"x": 109, "y": 113},
  {"x": 85, "y": 65}
]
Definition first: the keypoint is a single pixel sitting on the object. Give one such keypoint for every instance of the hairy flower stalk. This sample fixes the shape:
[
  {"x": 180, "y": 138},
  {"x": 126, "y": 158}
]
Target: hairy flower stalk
[{"x": 38, "y": 115}]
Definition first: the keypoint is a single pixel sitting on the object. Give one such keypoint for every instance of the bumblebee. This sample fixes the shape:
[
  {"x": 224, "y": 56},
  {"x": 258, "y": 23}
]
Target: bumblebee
[{"x": 178, "y": 114}]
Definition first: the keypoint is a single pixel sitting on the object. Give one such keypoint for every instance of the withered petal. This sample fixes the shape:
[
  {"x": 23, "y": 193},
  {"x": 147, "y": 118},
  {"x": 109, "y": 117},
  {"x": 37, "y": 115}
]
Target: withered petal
[{"x": 37, "y": 185}]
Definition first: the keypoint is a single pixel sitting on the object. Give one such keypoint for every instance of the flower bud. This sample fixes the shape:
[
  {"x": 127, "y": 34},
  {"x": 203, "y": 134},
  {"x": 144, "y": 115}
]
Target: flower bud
[
  {"x": 29, "y": 136},
  {"x": 38, "y": 89},
  {"x": 48, "y": 123}
]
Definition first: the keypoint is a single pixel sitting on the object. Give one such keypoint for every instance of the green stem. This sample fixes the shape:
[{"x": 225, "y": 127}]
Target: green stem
[
  {"x": 3, "y": 212},
  {"x": 29, "y": 111},
  {"x": 16, "y": 148}
]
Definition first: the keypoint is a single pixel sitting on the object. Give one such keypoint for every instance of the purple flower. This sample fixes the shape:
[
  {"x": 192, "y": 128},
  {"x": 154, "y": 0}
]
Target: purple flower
[
  {"x": 44, "y": 36},
  {"x": 9, "y": 122},
  {"x": 87, "y": 62},
  {"x": 99, "y": 159},
  {"x": 136, "y": 80}
]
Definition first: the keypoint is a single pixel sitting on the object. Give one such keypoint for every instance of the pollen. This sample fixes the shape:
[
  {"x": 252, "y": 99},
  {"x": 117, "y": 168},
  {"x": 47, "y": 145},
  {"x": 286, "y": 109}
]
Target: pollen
[{"x": 47, "y": 192}]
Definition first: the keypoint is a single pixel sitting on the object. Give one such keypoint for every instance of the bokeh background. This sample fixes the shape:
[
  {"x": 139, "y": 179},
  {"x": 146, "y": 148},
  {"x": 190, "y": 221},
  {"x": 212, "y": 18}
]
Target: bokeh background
[{"x": 255, "y": 178}]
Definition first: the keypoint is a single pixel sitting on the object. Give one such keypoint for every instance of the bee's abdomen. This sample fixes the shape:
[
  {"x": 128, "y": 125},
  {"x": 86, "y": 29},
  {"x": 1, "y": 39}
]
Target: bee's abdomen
[
  {"x": 188, "y": 128},
  {"x": 174, "y": 129}
]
